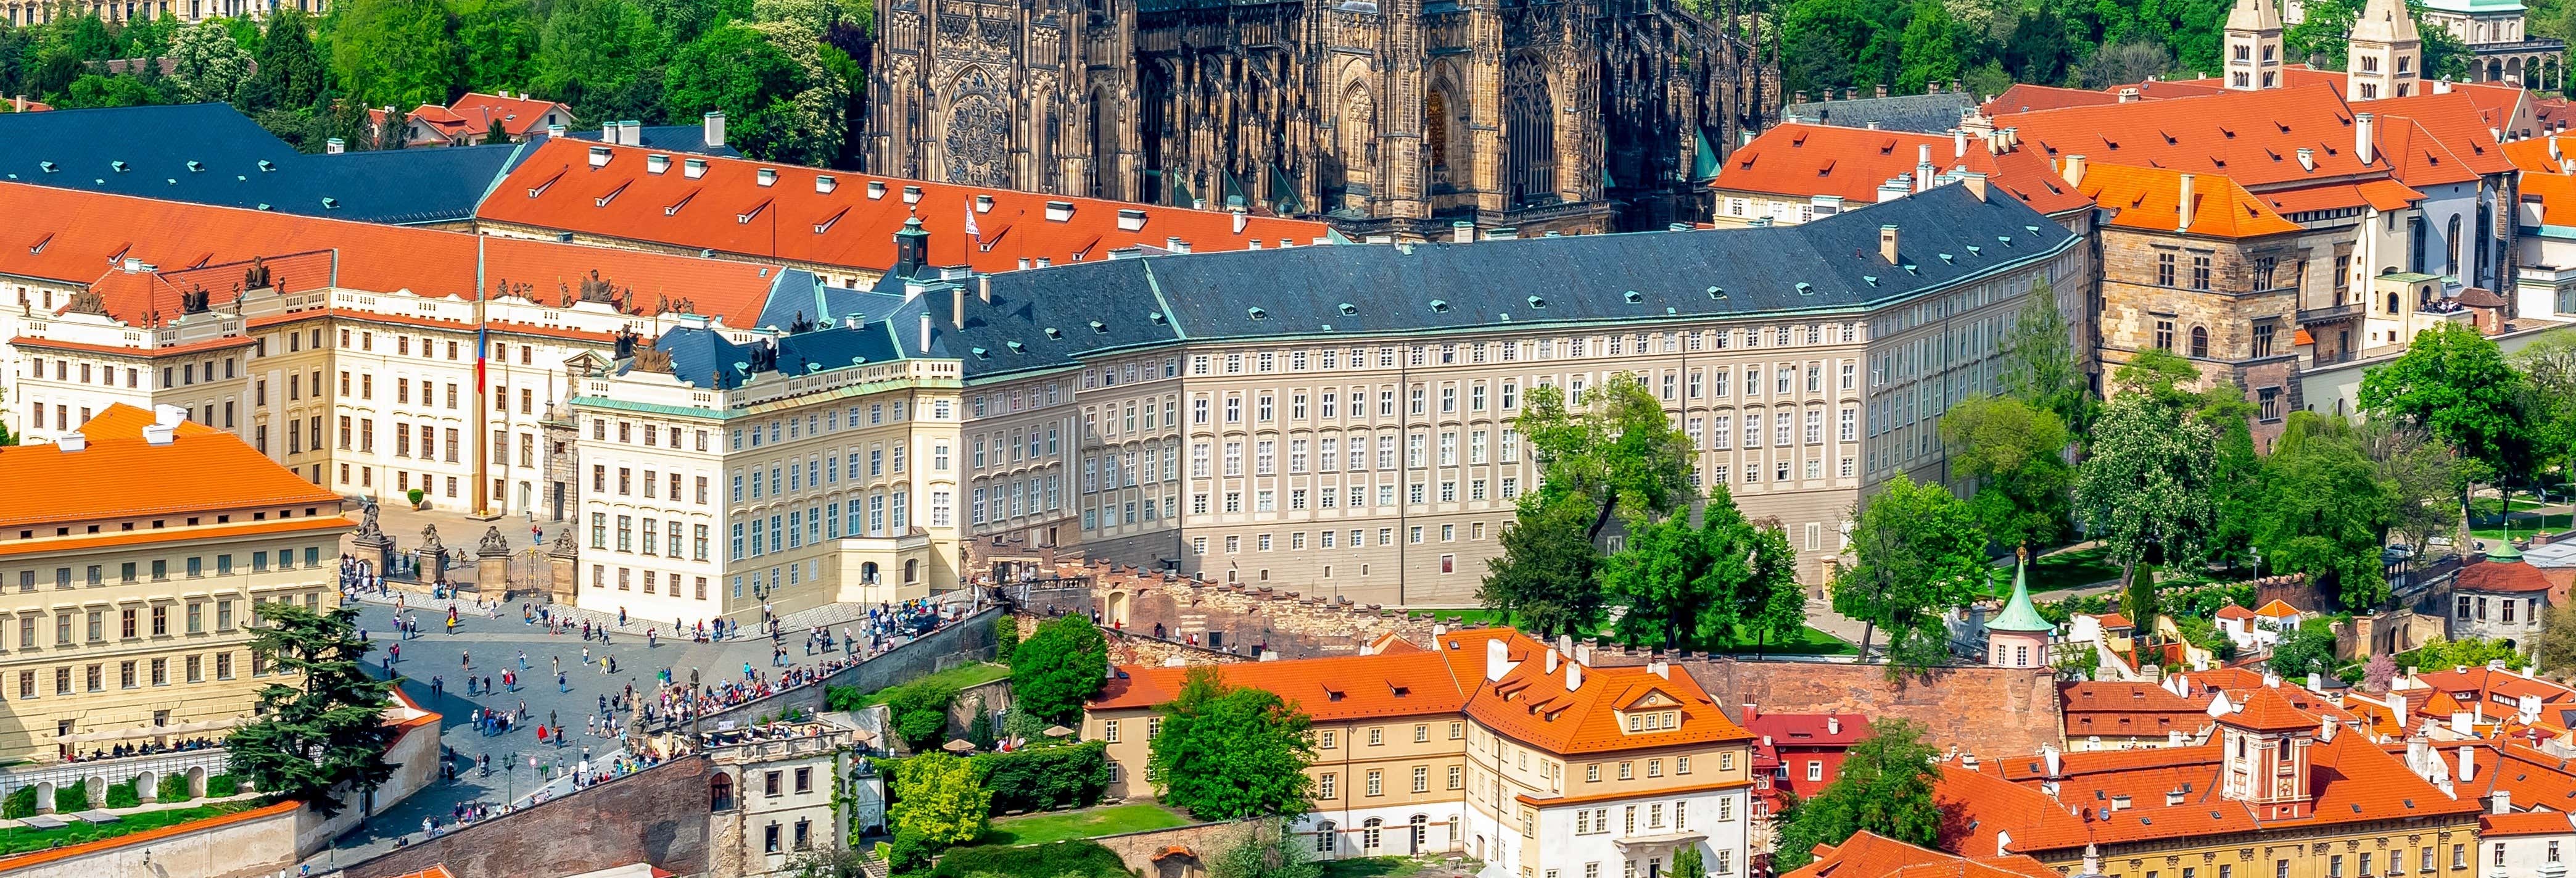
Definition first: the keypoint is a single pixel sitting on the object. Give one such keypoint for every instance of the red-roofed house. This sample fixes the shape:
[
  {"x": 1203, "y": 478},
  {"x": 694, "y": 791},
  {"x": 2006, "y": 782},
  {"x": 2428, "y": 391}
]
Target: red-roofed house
[
  {"x": 1489, "y": 744},
  {"x": 1807, "y": 747},
  {"x": 1870, "y": 855},
  {"x": 2273, "y": 793},
  {"x": 469, "y": 120},
  {"x": 2499, "y": 598},
  {"x": 1796, "y": 172}
]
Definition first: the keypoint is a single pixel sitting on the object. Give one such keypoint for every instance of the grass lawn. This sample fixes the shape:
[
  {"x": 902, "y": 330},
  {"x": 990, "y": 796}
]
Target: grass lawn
[
  {"x": 22, "y": 839},
  {"x": 1466, "y": 616},
  {"x": 2523, "y": 527},
  {"x": 960, "y": 677},
  {"x": 1371, "y": 867},
  {"x": 1809, "y": 642},
  {"x": 2066, "y": 570},
  {"x": 1086, "y": 823}
]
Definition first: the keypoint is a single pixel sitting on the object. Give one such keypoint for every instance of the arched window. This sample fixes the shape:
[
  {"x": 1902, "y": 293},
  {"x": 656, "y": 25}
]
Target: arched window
[
  {"x": 2451, "y": 249},
  {"x": 868, "y": 573},
  {"x": 1369, "y": 833},
  {"x": 2200, "y": 341},
  {"x": 1529, "y": 129},
  {"x": 1435, "y": 132},
  {"x": 720, "y": 793},
  {"x": 1324, "y": 837},
  {"x": 911, "y": 571},
  {"x": 2392, "y": 302}
]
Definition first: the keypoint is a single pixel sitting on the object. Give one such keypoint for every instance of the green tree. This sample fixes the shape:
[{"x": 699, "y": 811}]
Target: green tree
[
  {"x": 290, "y": 68},
  {"x": 2548, "y": 364},
  {"x": 1614, "y": 447},
  {"x": 2145, "y": 491},
  {"x": 1228, "y": 753},
  {"x": 1884, "y": 786},
  {"x": 1058, "y": 668},
  {"x": 327, "y": 730},
  {"x": 1687, "y": 862},
  {"x": 1916, "y": 553},
  {"x": 2040, "y": 366},
  {"x": 2325, "y": 511},
  {"x": 1265, "y": 852},
  {"x": 2015, "y": 452},
  {"x": 919, "y": 712},
  {"x": 2310, "y": 649},
  {"x": 590, "y": 48},
  {"x": 734, "y": 69},
  {"x": 1544, "y": 577},
  {"x": 496, "y": 43},
  {"x": 1693, "y": 586},
  {"x": 397, "y": 53},
  {"x": 1776, "y": 603},
  {"x": 207, "y": 65},
  {"x": 96, "y": 90},
  {"x": 1931, "y": 50},
  {"x": 2454, "y": 384},
  {"x": 2556, "y": 648},
  {"x": 939, "y": 802},
  {"x": 2467, "y": 652}
]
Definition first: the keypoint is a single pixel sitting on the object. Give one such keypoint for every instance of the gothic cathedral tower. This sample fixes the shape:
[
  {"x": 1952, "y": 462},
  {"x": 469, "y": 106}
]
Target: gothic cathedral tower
[
  {"x": 2385, "y": 53},
  {"x": 2253, "y": 46}
]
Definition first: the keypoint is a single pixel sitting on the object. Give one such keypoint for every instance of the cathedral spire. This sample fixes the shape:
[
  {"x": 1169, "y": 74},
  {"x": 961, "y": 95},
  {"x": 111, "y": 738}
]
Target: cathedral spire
[
  {"x": 2253, "y": 46},
  {"x": 2385, "y": 54}
]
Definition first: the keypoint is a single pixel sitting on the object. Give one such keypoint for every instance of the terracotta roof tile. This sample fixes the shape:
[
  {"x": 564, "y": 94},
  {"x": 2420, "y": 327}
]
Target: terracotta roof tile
[
  {"x": 2251, "y": 136},
  {"x": 2554, "y": 193},
  {"x": 1804, "y": 160},
  {"x": 1870, "y": 855},
  {"x": 120, "y": 475},
  {"x": 2266, "y": 710},
  {"x": 2525, "y": 823},
  {"x": 2151, "y": 199},
  {"x": 727, "y": 209},
  {"x": 2494, "y": 576},
  {"x": 2024, "y": 97}
]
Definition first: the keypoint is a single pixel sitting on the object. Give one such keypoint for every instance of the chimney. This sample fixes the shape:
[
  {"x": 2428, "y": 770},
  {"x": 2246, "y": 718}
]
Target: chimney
[
  {"x": 1497, "y": 659},
  {"x": 2553, "y": 149},
  {"x": 1887, "y": 243},
  {"x": 1551, "y": 660},
  {"x": 1958, "y": 143},
  {"x": 1583, "y": 655},
  {"x": 984, "y": 288},
  {"x": 169, "y": 415},
  {"x": 2468, "y": 763},
  {"x": 2363, "y": 146},
  {"x": 159, "y": 434},
  {"x": 599, "y": 156},
  {"x": 713, "y": 131},
  {"x": 2184, "y": 205},
  {"x": 2461, "y": 723},
  {"x": 1573, "y": 676},
  {"x": 925, "y": 332},
  {"x": 2419, "y": 754},
  {"x": 1976, "y": 183},
  {"x": 1895, "y": 187},
  {"x": 1882, "y": 89},
  {"x": 956, "y": 306},
  {"x": 2056, "y": 761},
  {"x": 1923, "y": 167},
  {"x": 2129, "y": 95},
  {"x": 1752, "y": 711},
  {"x": 2316, "y": 682},
  {"x": 1462, "y": 232},
  {"x": 72, "y": 442},
  {"x": 2397, "y": 708},
  {"x": 2307, "y": 158},
  {"x": 1833, "y": 724},
  {"x": 335, "y": 146},
  {"x": 555, "y": 131},
  {"x": 2500, "y": 801},
  {"x": 2442, "y": 86},
  {"x": 1932, "y": 88},
  {"x": 1660, "y": 668}
]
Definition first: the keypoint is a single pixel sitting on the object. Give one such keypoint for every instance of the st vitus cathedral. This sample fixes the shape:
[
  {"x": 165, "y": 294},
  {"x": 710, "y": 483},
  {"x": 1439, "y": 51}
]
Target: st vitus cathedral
[{"x": 1398, "y": 117}]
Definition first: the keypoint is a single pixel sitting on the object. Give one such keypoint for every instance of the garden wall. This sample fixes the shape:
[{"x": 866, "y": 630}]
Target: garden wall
[
  {"x": 962, "y": 642},
  {"x": 1985, "y": 711},
  {"x": 1230, "y": 617},
  {"x": 656, "y": 816},
  {"x": 1145, "y": 852},
  {"x": 243, "y": 843}
]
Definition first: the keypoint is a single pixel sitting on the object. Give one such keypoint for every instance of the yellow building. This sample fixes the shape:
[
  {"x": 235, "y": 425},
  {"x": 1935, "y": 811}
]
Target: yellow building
[
  {"x": 131, "y": 560},
  {"x": 1489, "y": 744},
  {"x": 2276, "y": 793}
]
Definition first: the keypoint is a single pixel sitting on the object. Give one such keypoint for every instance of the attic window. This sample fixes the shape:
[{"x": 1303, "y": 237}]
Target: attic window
[
  {"x": 1348, "y": 309},
  {"x": 1717, "y": 292},
  {"x": 1157, "y": 316},
  {"x": 1130, "y": 219},
  {"x": 266, "y": 165},
  {"x": 876, "y": 189},
  {"x": 40, "y": 243},
  {"x": 1947, "y": 258},
  {"x": 330, "y": 203},
  {"x": 1016, "y": 347},
  {"x": 1099, "y": 327},
  {"x": 1870, "y": 279},
  {"x": 826, "y": 224},
  {"x": 693, "y": 168},
  {"x": 603, "y": 200},
  {"x": 825, "y": 183},
  {"x": 1059, "y": 211},
  {"x": 745, "y": 217},
  {"x": 983, "y": 203},
  {"x": 1974, "y": 250},
  {"x": 674, "y": 208},
  {"x": 1536, "y": 302},
  {"x": 981, "y": 354},
  {"x": 1256, "y": 313},
  {"x": 1806, "y": 289},
  {"x": 47, "y": 167},
  {"x": 1440, "y": 306},
  {"x": 767, "y": 176},
  {"x": 657, "y": 164},
  {"x": 1054, "y": 333},
  {"x": 118, "y": 165}
]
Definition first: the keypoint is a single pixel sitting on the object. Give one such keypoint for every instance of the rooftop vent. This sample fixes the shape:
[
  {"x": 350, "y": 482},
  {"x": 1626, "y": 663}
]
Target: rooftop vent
[
  {"x": 195, "y": 166},
  {"x": 693, "y": 168},
  {"x": 876, "y": 189},
  {"x": 912, "y": 195},
  {"x": 983, "y": 203},
  {"x": 655, "y": 164},
  {"x": 825, "y": 183},
  {"x": 768, "y": 176},
  {"x": 1635, "y": 297},
  {"x": 1099, "y": 327},
  {"x": 1440, "y": 306},
  {"x": 1348, "y": 309},
  {"x": 1130, "y": 219},
  {"x": 599, "y": 156},
  {"x": 1256, "y": 313},
  {"x": 1059, "y": 211}
]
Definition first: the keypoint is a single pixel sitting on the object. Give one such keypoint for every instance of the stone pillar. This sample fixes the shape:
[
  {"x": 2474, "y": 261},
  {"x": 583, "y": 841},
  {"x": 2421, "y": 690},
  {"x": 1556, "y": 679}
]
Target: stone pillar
[
  {"x": 492, "y": 564},
  {"x": 373, "y": 546},
  {"x": 433, "y": 555},
  {"x": 565, "y": 576}
]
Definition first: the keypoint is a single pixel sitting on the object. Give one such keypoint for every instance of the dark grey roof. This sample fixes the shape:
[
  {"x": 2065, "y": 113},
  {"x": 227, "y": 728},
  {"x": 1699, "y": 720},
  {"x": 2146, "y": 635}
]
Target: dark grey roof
[
  {"x": 1045, "y": 318},
  {"x": 210, "y": 154},
  {"x": 698, "y": 354},
  {"x": 1923, "y": 113},
  {"x": 672, "y": 138}
]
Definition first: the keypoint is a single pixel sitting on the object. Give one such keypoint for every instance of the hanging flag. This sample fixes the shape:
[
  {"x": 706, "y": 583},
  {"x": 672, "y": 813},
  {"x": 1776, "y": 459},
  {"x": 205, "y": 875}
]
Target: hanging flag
[
  {"x": 482, "y": 340},
  {"x": 971, "y": 230}
]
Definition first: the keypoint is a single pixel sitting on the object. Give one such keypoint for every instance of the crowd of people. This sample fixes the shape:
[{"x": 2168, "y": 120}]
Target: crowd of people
[
  {"x": 148, "y": 748},
  {"x": 885, "y": 627}
]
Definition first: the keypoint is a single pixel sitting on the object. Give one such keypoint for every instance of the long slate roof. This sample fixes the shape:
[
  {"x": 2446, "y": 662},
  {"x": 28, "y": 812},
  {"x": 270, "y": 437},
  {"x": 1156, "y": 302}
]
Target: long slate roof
[
  {"x": 1045, "y": 318},
  {"x": 211, "y": 154},
  {"x": 1923, "y": 113}
]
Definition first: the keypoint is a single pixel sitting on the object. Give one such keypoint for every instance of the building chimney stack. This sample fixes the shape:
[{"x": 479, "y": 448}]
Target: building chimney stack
[
  {"x": 1887, "y": 243},
  {"x": 984, "y": 288},
  {"x": 71, "y": 442},
  {"x": 2307, "y": 158},
  {"x": 2468, "y": 763},
  {"x": 713, "y": 131},
  {"x": 1958, "y": 143},
  {"x": 1497, "y": 659},
  {"x": 1573, "y": 676},
  {"x": 335, "y": 146},
  {"x": 2363, "y": 146},
  {"x": 2074, "y": 170}
]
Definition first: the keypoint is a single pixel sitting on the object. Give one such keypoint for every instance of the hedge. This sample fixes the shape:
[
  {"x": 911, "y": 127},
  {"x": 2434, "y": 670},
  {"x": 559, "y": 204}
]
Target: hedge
[
  {"x": 21, "y": 804},
  {"x": 1042, "y": 778},
  {"x": 174, "y": 788},
  {"x": 1077, "y": 859},
  {"x": 222, "y": 785},
  {"x": 71, "y": 798},
  {"x": 124, "y": 795}
]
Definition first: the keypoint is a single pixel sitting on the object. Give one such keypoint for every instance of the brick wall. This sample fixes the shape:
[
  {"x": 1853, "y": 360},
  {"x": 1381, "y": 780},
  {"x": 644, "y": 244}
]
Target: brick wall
[
  {"x": 1239, "y": 618},
  {"x": 969, "y": 640},
  {"x": 658, "y": 816},
  {"x": 1141, "y": 850},
  {"x": 1989, "y": 712}
]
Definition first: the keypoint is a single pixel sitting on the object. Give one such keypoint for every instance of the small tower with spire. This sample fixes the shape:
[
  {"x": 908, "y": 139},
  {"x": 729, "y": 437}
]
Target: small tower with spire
[
  {"x": 2253, "y": 46},
  {"x": 2386, "y": 57},
  {"x": 2018, "y": 636}
]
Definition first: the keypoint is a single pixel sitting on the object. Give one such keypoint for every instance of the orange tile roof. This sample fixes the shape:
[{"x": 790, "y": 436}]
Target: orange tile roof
[
  {"x": 120, "y": 474},
  {"x": 112, "y": 539},
  {"x": 2525, "y": 823},
  {"x": 2115, "y": 620},
  {"x": 519, "y": 116},
  {"x": 2420, "y": 158},
  {"x": 2493, "y": 576},
  {"x": 2350, "y": 780},
  {"x": 1330, "y": 689},
  {"x": 2276, "y": 608},
  {"x": 83, "y": 238},
  {"x": 2232, "y": 611},
  {"x": 2380, "y": 194},
  {"x": 2024, "y": 97},
  {"x": 1870, "y": 855},
  {"x": 2132, "y": 709},
  {"x": 729, "y": 211},
  {"x": 2150, "y": 199},
  {"x": 2533, "y": 154},
  {"x": 1803, "y": 160},
  {"x": 2455, "y": 121},
  {"x": 2480, "y": 682},
  {"x": 2265, "y": 710},
  {"x": 2556, "y": 194},
  {"x": 2251, "y": 136}
]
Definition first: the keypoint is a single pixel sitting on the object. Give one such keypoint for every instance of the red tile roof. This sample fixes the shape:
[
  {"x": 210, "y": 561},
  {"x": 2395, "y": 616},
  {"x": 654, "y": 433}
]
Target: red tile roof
[
  {"x": 119, "y": 474},
  {"x": 2423, "y": 160},
  {"x": 2525, "y": 823},
  {"x": 2232, "y": 611},
  {"x": 2024, "y": 97},
  {"x": 1803, "y": 160},
  {"x": 2533, "y": 154},
  {"x": 1328, "y": 689},
  {"x": 519, "y": 116},
  {"x": 2150, "y": 199},
  {"x": 84, "y": 238},
  {"x": 728, "y": 210},
  {"x": 2351, "y": 780},
  {"x": 2251, "y": 136},
  {"x": 1870, "y": 855},
  {"x": 2455, "y": 121},
  {"x": 2276, "y": 608},
  {"x": 2264, "y": 710},
  {"x": 2556, "y": 194},
  {"x": 2380, "y": 194},
  {"x": 2115, "y": 620},
  {"x": 2128, "y": 709},
  {"x": 2477, "y": 683},
  {"x": 2493, "y": 576},
  {"x": 1809, "y": 729}
]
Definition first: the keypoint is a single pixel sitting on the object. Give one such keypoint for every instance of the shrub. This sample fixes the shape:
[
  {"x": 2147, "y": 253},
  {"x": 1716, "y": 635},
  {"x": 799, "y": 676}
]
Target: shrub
[
  {"x": 1046, "y": 778},
  {"x": 124, "y": 795},
  {"x": 920, "y": 712},
  {"x": 174, "y": 788},
  {"x": 71, "y": 798},
  {"x": 416, "y": 495},
  {"x": 222, "y": 785},
  {"x": 1075, "y": 858},
  {"x": 21, "y": 804},
  {"x": 843, "y": 698},
  {"x": 1006, "y": 637}
]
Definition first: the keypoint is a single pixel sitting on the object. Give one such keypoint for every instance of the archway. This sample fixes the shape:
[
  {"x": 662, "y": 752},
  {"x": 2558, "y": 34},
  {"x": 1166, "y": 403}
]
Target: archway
[
  {"x": 1117, "y": 616},
  {"x": 197, "y": 782},
  {"x": 96, "y": 787},
  {"x": 147, "y": 786},
  {"x": 44, "y": 797},
  {"x": 1355, "y": 138}
]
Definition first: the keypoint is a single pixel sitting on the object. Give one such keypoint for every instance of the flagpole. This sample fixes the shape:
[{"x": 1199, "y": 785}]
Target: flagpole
[{"x": 480, "y": 459}]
